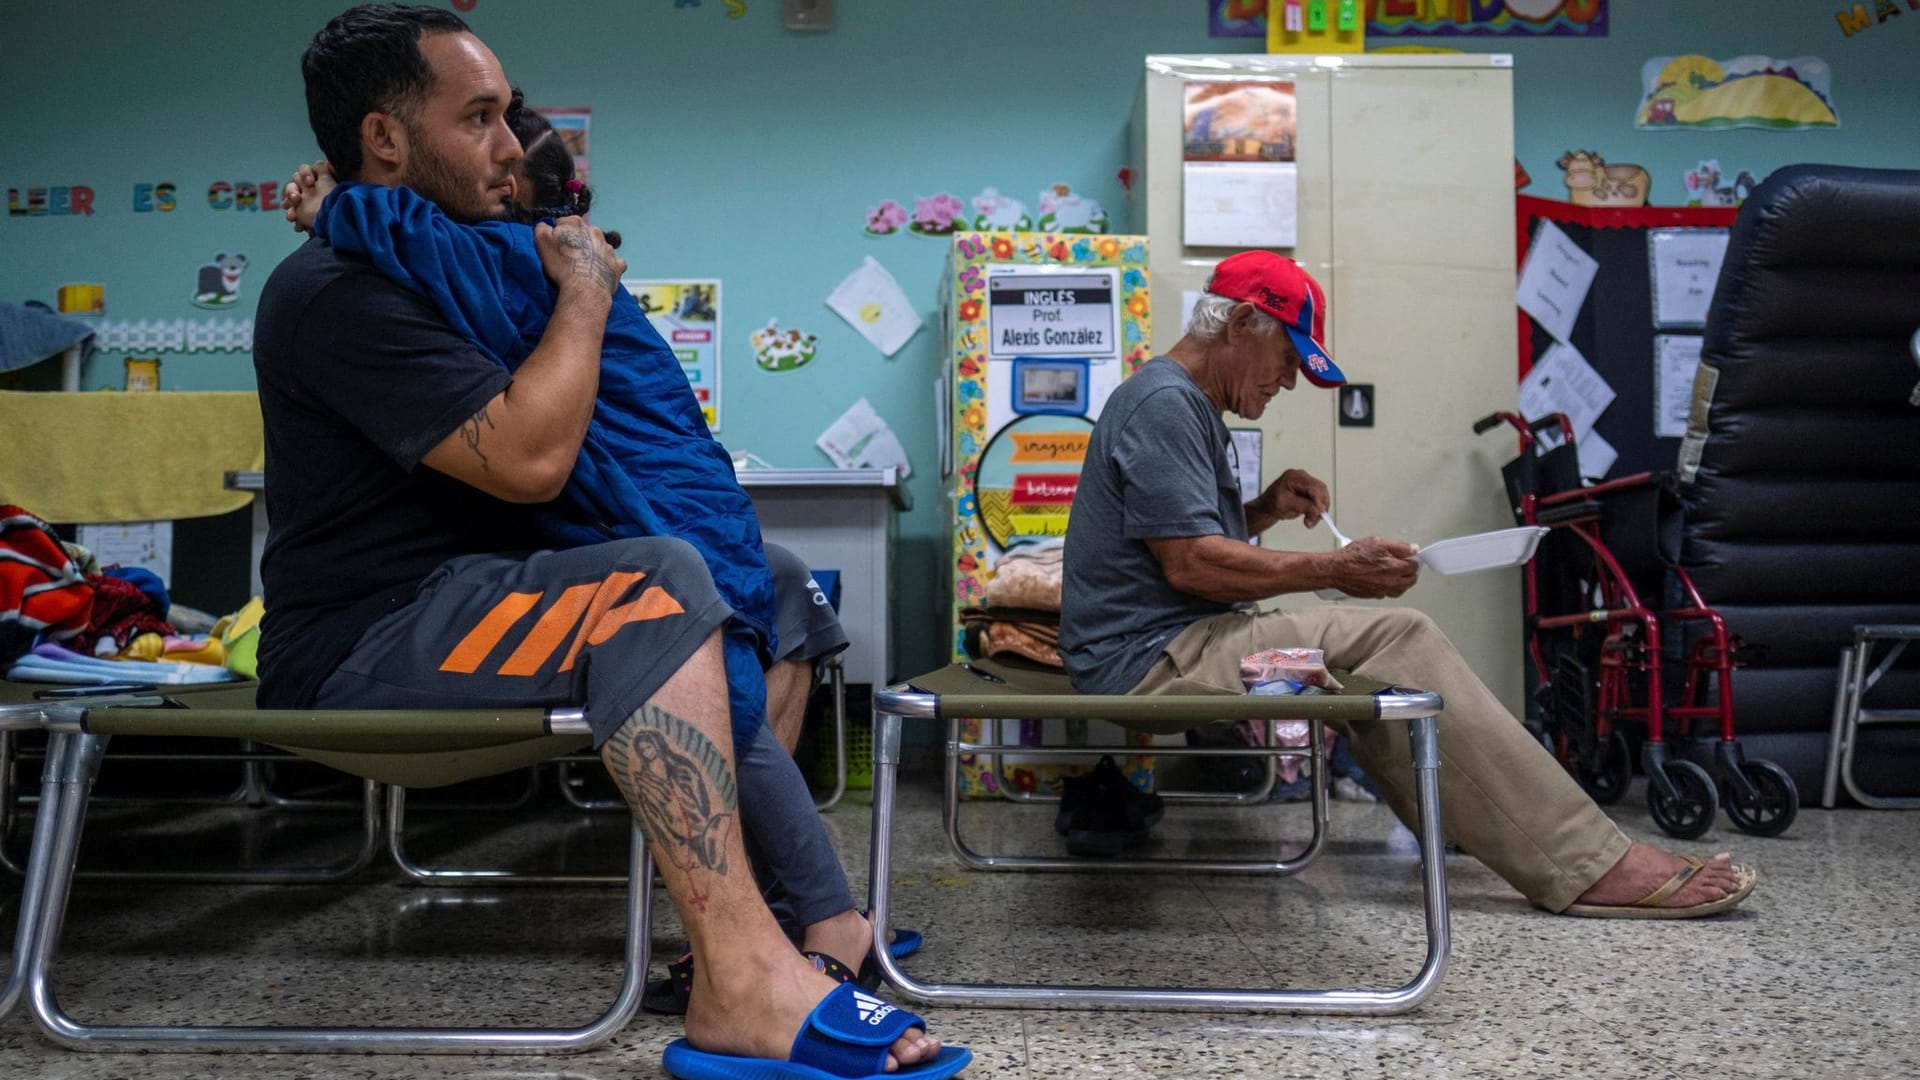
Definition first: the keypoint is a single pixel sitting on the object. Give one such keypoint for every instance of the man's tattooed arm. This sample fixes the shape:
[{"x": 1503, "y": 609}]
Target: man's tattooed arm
[
  {"x": 587, "y": 261},
  {"x": 470, "y": 433}
]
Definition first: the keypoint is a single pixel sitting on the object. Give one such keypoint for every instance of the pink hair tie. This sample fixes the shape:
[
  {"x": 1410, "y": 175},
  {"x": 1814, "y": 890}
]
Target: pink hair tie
[{"x": 573, "y": 187}]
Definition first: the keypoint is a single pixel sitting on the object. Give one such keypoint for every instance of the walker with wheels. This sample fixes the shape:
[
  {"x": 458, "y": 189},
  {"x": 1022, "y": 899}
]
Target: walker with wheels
[{"x": 1597, "y": 648}]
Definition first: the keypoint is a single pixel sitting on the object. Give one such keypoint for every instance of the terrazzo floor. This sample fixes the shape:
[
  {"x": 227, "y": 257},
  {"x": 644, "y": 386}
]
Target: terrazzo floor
[{"x": 1817, "y": 975}]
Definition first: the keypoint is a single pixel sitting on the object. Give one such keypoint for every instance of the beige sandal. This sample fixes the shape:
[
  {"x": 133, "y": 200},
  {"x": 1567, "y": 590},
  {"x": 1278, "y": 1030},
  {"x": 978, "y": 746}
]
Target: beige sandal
[{"x": 1648, "y": 906}]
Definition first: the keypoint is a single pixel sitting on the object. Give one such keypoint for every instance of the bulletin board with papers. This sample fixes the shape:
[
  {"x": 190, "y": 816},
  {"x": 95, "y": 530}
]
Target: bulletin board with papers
[{"x": 1591, "y": 344}]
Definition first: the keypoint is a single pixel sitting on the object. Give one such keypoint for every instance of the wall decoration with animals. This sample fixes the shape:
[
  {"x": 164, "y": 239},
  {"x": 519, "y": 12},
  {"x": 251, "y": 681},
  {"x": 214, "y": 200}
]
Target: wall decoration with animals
[
  {"x": 1707, "y": 187},
  {"x": 776, "y": 350},
  {"x": 1059, "y": 210},
  {"x": 992, "y": 210},
  {"x": 1746, "y": 91},
  {"x": 217, "y": 283},
  {"x": 1593, "y": 182}
]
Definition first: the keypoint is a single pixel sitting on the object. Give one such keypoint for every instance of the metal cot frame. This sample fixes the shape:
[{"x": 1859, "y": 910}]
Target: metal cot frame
[
  {"x": 80, "y": 734},
  {"x": 252, "y": 791},
  {"x": 1849, "y": 715},
  {"x": 418, "y": 871},
  {"x": 1418, "y": 709}
]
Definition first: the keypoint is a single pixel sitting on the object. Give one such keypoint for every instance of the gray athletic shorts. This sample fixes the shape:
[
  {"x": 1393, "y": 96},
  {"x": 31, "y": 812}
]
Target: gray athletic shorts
[
  {"x": 603, "y": 625},
  {"x": 805, "y": 626}
]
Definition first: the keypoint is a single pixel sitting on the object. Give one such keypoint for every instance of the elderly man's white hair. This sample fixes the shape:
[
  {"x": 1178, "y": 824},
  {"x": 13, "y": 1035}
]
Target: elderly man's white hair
[{"x": 1210, "y": 315}]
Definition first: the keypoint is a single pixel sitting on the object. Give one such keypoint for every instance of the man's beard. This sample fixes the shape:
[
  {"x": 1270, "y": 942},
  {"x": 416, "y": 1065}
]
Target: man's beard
[{"x": 432, "y": 176}]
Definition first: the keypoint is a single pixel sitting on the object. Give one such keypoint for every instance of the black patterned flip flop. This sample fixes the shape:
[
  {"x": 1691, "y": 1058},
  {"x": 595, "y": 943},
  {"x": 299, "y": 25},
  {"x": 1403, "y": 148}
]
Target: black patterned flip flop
[
  {"x": 669, "y": 996},
  {"x": 867, "y": 978}
]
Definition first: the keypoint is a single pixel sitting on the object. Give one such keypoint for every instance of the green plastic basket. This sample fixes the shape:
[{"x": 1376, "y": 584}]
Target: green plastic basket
[
  {"x": 820, "y": 766},
  {"x": 816, "y": 742}
]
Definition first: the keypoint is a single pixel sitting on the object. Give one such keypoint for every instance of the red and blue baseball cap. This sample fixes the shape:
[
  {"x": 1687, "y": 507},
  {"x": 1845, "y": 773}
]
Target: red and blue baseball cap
[{"x": 1280, "y": 287}]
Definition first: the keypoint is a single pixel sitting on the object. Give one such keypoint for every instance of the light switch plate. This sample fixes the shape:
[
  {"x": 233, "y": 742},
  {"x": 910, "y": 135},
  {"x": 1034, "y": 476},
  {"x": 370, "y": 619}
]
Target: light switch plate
[{"x": 809, "y": 14}]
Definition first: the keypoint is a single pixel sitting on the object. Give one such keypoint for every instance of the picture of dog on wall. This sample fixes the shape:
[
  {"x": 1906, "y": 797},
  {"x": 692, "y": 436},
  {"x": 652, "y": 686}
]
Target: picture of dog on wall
[{"x": 219, "y": 281}]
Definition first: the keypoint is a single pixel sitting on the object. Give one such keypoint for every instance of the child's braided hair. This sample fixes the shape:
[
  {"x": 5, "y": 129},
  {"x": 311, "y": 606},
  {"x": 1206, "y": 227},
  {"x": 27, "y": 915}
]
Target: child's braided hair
[{"x": 548, "y": 166}]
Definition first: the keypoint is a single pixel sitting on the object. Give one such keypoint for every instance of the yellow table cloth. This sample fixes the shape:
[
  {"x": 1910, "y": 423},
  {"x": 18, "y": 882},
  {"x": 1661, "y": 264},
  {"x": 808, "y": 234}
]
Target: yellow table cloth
[{"x": 107, "y": 456}]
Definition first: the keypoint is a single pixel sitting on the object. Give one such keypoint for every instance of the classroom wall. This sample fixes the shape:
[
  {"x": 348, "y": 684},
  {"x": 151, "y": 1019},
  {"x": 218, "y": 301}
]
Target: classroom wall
[{"x": 733, "y": 148}]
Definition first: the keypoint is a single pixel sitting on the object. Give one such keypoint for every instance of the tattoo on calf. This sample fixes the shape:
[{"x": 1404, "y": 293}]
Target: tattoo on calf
[
  {"x": 679, "y": 785},
  {"x": 470, "y": 433}
]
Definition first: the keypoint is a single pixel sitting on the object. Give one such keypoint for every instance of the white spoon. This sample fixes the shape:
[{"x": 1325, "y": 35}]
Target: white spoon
[
  {"x": 1338, "y": 536},
  {"x": 1340, "y": 539}
]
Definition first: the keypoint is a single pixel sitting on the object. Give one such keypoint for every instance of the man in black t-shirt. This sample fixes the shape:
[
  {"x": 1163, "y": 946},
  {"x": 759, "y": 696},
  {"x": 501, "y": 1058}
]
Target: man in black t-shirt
[{"x": 400, "y": 567}]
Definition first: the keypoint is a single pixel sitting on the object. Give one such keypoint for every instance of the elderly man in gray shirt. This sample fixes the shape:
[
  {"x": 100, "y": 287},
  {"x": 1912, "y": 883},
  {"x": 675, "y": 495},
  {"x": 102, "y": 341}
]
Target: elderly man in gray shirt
[{"x": 1160, "y": 582}]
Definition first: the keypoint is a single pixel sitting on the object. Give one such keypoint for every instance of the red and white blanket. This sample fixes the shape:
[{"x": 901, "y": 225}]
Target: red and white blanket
[{"x": 43, "y": 596}]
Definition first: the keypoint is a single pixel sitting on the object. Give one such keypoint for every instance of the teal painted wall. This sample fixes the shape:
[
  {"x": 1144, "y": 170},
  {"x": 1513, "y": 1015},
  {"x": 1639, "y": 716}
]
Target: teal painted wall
[{"x": 735, "y": 149}]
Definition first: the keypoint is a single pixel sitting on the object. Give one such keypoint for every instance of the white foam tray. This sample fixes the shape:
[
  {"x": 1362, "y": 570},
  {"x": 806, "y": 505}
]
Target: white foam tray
[{"x": 1496, "y": 550}]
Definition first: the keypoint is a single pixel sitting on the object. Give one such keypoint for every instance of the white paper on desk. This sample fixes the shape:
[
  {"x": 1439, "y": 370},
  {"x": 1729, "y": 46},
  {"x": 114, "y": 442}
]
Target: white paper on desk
[
  {"x": 1596, "y": 455},
  {"x": 1676, "y": 357},
  {"x": 146, "y": 544},
  {"x": 1241, "y": 204},
  {"x": 873, "y": 303},
  {"x": 1685, "y": 264},
  {"x": 860, "y": 439},
  {"x": 1562, "y": 381},
  {"x": 1555, "y": 280}
]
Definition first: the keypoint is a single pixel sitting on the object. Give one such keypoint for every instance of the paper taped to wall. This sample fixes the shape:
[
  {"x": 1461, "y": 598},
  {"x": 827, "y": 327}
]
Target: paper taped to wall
[
  {"x": 860, "y": 439},
  {"x": 1555, "y": 280},
  {"x": 1563, "y": 382},
  {"x": 146, "y": 544},
  {"x": 1676, "y": 358},
  {"x": 873, "y": 303}
]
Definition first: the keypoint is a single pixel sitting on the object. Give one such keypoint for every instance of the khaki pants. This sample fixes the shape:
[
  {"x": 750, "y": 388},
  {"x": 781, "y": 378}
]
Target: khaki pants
[{"x": 1503, "y": 798}]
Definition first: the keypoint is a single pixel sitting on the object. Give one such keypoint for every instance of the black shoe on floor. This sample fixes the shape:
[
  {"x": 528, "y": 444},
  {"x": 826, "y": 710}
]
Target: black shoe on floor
[
  {"x": 1144, "y": 808},
  {"x": 1102, "y": 813}
]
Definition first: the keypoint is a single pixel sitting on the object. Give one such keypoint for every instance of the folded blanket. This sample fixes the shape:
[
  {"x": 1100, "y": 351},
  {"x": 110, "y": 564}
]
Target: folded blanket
[
  {"x": 29, "y": 335},
  {"x": 100, "y": 457},
  {"x": 54, "y": 664},
  {"x": 1003, "y": 631},
  {"x": 42, "y": 595}
]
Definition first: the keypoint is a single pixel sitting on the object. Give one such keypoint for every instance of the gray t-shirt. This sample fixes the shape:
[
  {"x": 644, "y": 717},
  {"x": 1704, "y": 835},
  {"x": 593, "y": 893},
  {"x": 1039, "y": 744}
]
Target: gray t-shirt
[{"x": 1156, "y": 467}]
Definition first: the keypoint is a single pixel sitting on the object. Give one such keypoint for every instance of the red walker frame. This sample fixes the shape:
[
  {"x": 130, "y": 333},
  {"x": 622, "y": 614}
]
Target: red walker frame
[{"x": 1759, "y": 796}]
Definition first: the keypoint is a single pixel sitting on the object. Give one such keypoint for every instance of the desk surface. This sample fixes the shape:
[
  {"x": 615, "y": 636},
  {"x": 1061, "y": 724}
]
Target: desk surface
[{"x": 887, "y": 480}]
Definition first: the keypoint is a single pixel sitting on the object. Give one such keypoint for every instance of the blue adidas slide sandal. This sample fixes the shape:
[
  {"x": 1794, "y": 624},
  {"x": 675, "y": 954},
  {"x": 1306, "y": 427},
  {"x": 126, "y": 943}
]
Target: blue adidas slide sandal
[
  {"x": 846, "y": 1037},
  {"x": 669, "y": 995}
]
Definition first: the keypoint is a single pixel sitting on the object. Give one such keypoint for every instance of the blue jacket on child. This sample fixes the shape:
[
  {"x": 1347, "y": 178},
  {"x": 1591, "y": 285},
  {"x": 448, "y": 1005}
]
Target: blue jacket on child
[{"x": 648, "y": 467}]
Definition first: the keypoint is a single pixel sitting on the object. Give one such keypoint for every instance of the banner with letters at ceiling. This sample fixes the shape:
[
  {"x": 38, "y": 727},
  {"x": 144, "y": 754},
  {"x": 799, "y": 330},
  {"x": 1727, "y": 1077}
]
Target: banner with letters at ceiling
[{"x": 1486, "y": 18}]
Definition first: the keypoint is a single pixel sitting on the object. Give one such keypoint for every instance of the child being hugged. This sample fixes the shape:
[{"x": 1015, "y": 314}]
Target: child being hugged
[{"x": 649, "y": 466}]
